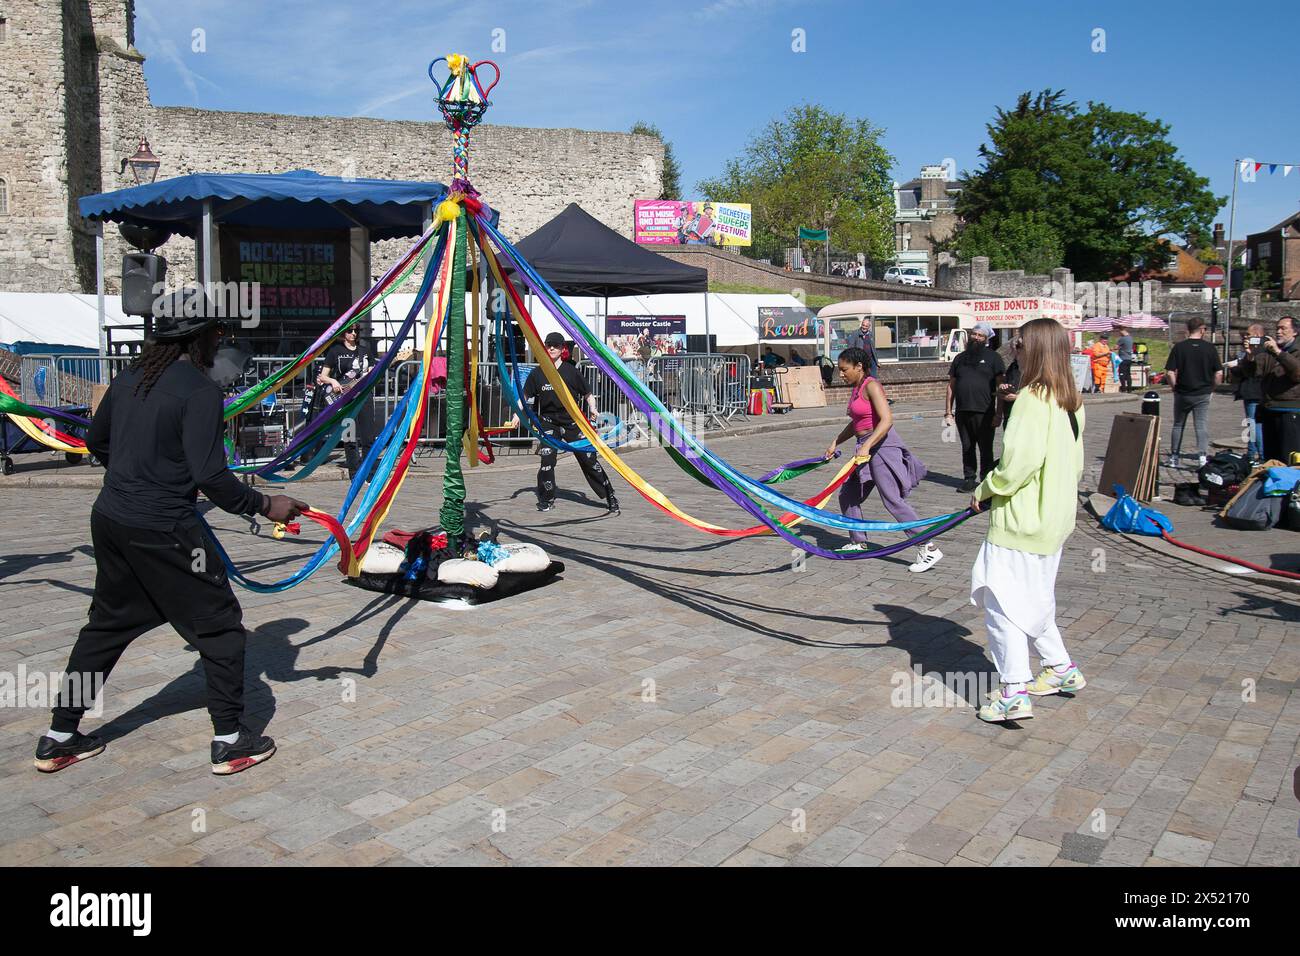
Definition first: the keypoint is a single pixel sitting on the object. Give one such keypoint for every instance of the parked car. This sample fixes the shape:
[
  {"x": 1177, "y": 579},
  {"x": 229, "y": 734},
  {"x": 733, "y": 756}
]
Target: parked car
[{"x": 907, "y": 276}]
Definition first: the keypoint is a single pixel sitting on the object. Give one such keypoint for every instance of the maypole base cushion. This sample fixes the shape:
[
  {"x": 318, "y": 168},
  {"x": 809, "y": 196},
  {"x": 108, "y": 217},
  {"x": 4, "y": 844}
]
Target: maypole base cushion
[
  {"x": 460, "y": 571},
  {"x": 508, "y": 584},
  {"x": 523, "y": 558},
  {"x": 383, "y": 558}
]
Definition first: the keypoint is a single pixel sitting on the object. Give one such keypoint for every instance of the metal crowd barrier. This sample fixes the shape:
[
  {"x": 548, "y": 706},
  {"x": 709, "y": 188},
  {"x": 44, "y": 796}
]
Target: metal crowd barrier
[
  {"x": 705, "y": 391},
  {"x": 62, "y": 380},
  {"x": 707, "y": 388}
]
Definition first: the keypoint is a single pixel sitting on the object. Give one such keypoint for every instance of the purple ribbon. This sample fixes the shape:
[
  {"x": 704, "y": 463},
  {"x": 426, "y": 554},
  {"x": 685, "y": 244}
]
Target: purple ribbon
[{"x": 721, "y": 483}]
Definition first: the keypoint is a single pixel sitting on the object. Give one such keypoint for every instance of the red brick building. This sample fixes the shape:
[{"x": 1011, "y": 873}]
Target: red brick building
[{"x": 1278, "y": 251}]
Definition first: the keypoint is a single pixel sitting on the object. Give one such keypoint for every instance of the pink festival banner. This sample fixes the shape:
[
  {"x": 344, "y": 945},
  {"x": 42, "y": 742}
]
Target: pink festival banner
[{"x": 681, "y": 223}]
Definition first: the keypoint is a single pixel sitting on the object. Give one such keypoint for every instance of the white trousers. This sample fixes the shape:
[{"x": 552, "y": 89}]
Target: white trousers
[{"x": 1017, "y": 591}]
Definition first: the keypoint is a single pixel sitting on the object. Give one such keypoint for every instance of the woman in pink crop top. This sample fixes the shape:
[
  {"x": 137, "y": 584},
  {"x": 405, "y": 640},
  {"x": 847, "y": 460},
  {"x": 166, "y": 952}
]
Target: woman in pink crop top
[{"x": 892, "y": 468}]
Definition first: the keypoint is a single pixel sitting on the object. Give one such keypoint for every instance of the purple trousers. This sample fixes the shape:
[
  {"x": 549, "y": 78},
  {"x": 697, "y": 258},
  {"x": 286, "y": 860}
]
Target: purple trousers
[{"x": 894, "y": 471}]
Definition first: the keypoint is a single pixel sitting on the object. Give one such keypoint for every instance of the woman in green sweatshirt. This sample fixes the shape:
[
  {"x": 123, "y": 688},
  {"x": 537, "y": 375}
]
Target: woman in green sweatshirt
[{"x": 1031, "y": 497}]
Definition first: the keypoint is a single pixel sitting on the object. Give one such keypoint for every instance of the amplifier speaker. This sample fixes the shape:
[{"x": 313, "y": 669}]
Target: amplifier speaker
[{"x": 141, "y": 271}]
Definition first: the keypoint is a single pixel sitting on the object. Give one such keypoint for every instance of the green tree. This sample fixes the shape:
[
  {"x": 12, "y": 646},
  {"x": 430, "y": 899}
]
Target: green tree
[
  {"x": 1018, "y": 241},
  {"x": 1109, "y": 183},
  {"x": 818, "y": 169},
  {"x": 672, "y": 180}
]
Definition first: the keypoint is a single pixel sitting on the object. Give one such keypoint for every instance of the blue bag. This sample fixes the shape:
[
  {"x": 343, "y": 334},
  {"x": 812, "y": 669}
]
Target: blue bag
[
  {"x": 1280, "y": 481},
  {"x": 1127, "y": 516}
]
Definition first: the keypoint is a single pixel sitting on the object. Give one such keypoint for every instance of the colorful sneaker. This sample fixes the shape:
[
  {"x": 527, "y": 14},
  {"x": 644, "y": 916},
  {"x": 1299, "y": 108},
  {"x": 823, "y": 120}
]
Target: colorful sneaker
[
  {"x": 926, "y": 558},
  {"x": 997, "y": 709},
  {"x": 1051, "y": 682},
  {"x": 52, "y": 756},
  {"x": 248, "y": 751}
]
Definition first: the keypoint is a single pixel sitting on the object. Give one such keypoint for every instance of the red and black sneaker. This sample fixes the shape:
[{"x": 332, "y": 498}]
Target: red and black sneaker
[
  {"x": 248, "y": 751},
  {"x": 52, "y": 756}
]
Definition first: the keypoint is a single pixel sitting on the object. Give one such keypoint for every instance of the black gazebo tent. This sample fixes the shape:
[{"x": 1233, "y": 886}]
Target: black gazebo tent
[{"x": 579, "y": 255}]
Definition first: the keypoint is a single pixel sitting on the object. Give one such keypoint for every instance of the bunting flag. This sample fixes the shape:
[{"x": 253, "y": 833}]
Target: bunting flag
[
  {"x": 1286, "y": 171},
  {"x": 1272, "y": 168}
]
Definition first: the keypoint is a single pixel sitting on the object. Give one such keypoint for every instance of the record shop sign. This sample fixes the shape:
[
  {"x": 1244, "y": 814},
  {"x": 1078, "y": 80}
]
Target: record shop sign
[{"x": 786, "y": 323}]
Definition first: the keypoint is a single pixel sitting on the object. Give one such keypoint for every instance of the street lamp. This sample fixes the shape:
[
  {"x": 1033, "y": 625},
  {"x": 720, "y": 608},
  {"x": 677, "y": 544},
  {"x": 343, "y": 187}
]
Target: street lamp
[{"x": 144, "y": 164}]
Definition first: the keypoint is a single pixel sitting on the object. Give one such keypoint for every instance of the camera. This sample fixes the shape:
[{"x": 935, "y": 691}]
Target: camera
[{"x": 1255, "y": 340}]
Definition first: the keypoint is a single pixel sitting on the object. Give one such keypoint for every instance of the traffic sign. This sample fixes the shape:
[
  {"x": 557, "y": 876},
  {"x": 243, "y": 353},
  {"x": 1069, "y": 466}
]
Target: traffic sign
[{"x": 1213, "y": 277}]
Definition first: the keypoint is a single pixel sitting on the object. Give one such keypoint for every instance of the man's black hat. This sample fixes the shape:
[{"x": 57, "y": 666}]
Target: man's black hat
[{"x": 184, "y": 314}]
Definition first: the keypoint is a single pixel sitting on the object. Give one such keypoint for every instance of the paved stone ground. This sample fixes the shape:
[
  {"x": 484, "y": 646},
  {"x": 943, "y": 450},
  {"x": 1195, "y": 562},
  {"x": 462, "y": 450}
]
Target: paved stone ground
[{"x": 525, "y": 732}]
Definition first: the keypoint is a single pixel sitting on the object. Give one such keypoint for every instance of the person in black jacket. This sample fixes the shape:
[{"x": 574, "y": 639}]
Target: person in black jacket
[
  {"x": 972, "y": 403},
  {"x": 1010, "y": 389},
  {"x": 158, "y": 431},
  {"x": 1249, "y": 387},
  {"x": 558, "y": 423}
]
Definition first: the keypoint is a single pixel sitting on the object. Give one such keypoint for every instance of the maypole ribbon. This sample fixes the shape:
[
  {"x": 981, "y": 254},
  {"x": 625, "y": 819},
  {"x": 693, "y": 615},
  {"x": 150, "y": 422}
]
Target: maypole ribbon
[
  {"x": 652, "y": 494},
  {"x": 706, "y": 461},
  {"x": 649, "y": 403}
]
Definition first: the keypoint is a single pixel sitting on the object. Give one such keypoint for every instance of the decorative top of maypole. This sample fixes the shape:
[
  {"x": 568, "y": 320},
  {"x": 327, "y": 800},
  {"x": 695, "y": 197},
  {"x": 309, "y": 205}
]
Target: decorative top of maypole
[{"x": 462, "y": 100}]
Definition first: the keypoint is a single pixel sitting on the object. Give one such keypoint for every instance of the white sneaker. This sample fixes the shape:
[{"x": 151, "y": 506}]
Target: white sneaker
[
  {"x": 1200, "y": 461},
  {"x": 926, "y": 558},
  {"x": 1172, "y": 461},
  {"x": 855, "y": 546}
]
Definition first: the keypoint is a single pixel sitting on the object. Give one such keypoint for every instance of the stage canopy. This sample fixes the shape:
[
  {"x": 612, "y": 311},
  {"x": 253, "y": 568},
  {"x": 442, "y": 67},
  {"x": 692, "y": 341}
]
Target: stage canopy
[
  {"x": 301, "y": 199},
  {"x": 581, "y": 256}
]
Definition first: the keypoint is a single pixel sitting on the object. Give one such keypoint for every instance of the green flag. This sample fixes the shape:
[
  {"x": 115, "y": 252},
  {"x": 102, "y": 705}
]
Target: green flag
[{"x": 814, "y": 235}]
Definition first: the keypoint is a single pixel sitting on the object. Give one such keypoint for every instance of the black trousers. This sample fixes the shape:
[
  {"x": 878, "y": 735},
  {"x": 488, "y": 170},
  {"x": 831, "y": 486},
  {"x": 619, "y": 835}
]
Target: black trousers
[
  {"x": 976, "y": 432},
  {"x": 146, "y": 578},
  {"x": 588, "y": 461}
]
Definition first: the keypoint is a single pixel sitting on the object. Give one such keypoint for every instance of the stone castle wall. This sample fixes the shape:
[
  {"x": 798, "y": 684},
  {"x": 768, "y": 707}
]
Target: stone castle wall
[{"x": 79, "y": 104}]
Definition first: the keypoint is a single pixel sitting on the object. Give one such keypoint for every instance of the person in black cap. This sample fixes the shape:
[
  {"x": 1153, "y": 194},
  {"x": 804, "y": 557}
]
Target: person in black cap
[
  {"x": 557, "y": 423},
  {"x": 158, "y": 431}
]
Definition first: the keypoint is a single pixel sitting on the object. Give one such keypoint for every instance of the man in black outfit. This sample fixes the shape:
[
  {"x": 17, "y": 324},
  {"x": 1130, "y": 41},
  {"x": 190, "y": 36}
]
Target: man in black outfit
[
  {"x": 1194, "y": 369},
  {"x": 973, "y": 380},
  {"x": 158, "y": 432},
  {"x": 557, "y": 423}
]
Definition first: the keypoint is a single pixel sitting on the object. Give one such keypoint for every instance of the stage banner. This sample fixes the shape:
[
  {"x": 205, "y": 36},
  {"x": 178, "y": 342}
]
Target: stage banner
[
  {"x": 785, "y": 323},
  {"x": 305, "y": 276},
  {"x": 645, "y": 337},
  {"x": 692, "y": 223}
]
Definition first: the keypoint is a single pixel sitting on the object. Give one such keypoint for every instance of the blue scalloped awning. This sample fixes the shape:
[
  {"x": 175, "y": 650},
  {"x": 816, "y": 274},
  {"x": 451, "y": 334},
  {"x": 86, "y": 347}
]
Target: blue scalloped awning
[{"x": 301, "y": 199}]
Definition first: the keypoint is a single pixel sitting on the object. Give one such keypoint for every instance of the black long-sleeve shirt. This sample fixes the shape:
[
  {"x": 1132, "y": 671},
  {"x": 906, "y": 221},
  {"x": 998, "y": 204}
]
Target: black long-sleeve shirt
[{"x": 161, "y": 450}]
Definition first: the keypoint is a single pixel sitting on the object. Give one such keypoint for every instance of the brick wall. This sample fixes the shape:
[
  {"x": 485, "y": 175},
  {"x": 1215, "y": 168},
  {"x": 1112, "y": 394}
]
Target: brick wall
[
  {"x": 903, "y": 382},
  {"x": 731, "y": 268}
]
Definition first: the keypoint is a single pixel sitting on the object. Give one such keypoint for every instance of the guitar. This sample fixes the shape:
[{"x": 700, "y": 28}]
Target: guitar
[{"x": 333, "y": 393}]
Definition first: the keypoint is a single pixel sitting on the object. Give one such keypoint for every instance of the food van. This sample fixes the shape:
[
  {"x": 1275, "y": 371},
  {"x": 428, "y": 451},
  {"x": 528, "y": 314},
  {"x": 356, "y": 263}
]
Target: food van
[{"x": 907, "y": 331}]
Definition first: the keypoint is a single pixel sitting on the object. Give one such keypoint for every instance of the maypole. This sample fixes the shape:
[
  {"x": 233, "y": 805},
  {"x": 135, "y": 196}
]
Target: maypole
[{"x": 462, "y": 100}]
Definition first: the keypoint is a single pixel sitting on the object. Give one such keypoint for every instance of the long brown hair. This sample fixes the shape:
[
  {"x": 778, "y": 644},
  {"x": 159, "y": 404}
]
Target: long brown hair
[{"x": 1045, "y": 363}]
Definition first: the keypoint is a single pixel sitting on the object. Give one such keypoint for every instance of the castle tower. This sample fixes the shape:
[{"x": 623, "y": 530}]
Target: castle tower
[{"x": 58, "y": 59}]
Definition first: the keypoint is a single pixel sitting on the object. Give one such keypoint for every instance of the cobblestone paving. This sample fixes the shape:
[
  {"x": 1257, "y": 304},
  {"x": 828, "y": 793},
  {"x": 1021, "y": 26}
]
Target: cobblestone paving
[{"x": 675, "y": 699}]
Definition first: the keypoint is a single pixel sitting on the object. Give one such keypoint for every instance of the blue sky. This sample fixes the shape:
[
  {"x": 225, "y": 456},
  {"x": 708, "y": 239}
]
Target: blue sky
[{"x": 709, "y": 73}]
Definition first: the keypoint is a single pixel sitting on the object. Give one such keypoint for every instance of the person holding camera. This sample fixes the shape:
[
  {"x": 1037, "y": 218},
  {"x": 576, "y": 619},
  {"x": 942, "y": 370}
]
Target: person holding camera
[
  {"x": 159, "y": 431},
  {"x": 1276, "y": 363},
  {"x": 1249, "y": 387}
]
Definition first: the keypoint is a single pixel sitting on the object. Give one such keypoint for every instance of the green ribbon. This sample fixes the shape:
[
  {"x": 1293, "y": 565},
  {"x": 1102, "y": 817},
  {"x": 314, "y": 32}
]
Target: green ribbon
[{"x": 452, "y": 514}]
